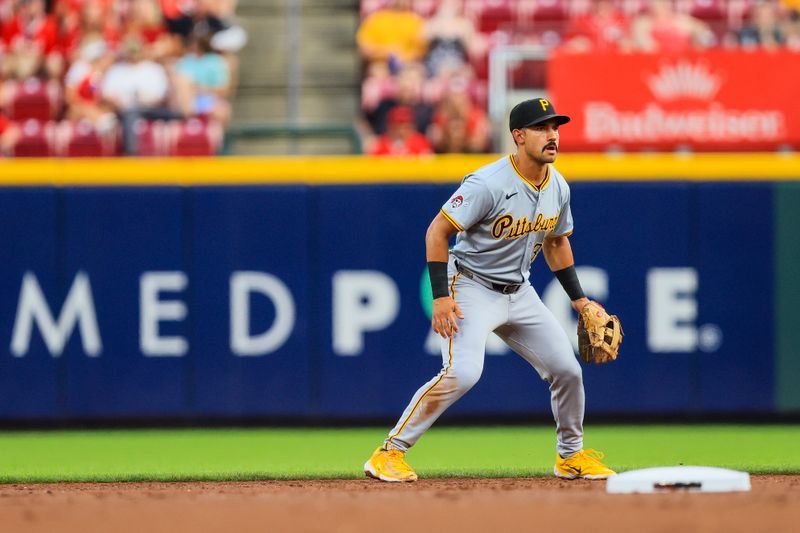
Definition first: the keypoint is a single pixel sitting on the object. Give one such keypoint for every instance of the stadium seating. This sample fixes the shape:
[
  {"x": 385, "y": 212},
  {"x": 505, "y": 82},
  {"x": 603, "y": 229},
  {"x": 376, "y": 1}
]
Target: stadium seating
[
  {"x": 496, "y": 15},
  {"x": 550, "y": 11},
  {"x": 82, "y": 140},
  {"x": 151, "y": 138},
  {"x": 709, "y": 10},
  {"x": 193, "y": 137},
  {"x": 545, "y": 21},
  {"x": 33, "y": 99},
  {"x": 36, "y": 106},
  {"x": 493, "y": 15},
  {"x": 37, "y": 139}
]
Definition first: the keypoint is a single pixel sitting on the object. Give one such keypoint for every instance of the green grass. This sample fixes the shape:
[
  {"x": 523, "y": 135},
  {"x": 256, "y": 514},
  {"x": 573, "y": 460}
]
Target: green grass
[{"x": 248, "y": 454}]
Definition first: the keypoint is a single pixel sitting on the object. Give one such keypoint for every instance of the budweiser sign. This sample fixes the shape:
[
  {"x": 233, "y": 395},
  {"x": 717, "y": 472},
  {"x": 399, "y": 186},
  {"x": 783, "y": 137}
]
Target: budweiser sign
[
  {"x": 603, "y": 122},
  {"x": 714, "y": 100}
]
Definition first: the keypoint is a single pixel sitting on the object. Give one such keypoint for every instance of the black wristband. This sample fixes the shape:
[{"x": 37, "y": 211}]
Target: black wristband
[
  {"x": 437, "y": 271},
  {"x": 569, "y": 280}
]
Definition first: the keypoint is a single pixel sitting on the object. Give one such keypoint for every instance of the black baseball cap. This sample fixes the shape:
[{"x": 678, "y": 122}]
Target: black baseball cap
[{"x": 533, "y": 111}]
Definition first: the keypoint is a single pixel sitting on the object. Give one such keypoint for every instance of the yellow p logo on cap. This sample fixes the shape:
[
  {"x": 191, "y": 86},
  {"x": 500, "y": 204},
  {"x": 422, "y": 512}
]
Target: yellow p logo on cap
[{"x": 544, "y": 103}]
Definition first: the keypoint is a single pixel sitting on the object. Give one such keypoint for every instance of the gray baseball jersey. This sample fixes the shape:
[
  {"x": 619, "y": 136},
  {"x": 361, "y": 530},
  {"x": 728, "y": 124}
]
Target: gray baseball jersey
[{"x": 503, "y": 219}]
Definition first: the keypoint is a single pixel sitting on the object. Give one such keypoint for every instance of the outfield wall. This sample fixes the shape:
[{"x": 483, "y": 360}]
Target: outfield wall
[{"x": 130, "y": 289}]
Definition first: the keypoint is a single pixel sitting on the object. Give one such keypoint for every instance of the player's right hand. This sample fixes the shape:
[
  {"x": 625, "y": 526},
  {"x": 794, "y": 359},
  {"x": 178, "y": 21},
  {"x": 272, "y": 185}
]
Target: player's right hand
[{"x": 445, "y": 311}]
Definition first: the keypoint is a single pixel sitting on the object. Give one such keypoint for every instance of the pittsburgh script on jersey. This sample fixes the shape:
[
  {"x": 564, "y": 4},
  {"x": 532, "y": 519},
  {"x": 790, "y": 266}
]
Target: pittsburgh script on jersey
[{"x": 507, "y": 227}]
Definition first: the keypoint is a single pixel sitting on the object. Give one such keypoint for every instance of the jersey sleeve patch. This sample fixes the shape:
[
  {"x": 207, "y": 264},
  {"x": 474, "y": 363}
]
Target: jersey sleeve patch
[
  {"x": 469, "y": 204},
  {"x": 457, "y": 201}
]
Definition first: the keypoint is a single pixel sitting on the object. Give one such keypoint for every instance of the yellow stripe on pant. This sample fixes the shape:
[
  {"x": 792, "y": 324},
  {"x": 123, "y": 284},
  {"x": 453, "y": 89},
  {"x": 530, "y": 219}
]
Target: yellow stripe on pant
[{"x": 444, "y": 374}]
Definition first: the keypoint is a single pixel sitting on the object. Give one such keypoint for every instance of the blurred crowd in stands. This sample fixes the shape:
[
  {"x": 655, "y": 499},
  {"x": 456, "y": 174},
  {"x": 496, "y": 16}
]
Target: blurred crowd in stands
[
  {"x": 112, "y": 77},
  {"x": 426, "y": 61}
]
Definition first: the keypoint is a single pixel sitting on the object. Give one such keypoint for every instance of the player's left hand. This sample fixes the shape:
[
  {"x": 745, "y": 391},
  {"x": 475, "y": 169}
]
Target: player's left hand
[
  {"x": 599, "y": 334},
  {"x": 579, "y": 304}
]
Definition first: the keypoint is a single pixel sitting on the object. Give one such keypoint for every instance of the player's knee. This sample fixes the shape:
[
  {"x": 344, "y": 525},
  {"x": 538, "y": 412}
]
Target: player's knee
[
  {"x": 466, "y": 377},
  {"x": 570, "y": 375}
]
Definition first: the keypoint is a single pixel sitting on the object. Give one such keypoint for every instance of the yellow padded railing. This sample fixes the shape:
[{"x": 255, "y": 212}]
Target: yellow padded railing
[{"x": 363, "y": 169}]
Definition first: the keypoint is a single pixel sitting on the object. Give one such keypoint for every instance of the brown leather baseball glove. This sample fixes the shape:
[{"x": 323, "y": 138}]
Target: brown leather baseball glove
[{"x": 599, "y": 334}]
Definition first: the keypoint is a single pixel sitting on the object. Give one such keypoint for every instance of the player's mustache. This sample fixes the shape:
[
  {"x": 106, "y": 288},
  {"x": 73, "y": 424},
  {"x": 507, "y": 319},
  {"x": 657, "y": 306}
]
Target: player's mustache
[{"x": 550, "y": 145}]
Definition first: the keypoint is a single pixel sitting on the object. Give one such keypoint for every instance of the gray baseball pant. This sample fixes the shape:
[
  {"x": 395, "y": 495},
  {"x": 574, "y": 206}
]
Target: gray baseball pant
[{"x": 530, "y": 329}]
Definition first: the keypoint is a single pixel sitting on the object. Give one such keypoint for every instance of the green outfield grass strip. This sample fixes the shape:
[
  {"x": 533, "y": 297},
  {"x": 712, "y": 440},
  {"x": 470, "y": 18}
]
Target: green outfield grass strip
[{"x": 260, "y": 454}]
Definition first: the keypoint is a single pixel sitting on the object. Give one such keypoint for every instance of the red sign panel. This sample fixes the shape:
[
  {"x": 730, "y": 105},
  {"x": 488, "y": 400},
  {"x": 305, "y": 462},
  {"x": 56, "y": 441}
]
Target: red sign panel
[{"x": 715, "y": 100}]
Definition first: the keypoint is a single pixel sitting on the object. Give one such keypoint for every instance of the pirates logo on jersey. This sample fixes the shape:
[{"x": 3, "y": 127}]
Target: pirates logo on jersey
[{"x": 457, "y": 202}]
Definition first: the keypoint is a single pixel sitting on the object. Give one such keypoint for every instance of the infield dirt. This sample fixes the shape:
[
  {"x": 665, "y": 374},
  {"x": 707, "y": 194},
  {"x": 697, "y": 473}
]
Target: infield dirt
[{"x": 441, "y": 505}]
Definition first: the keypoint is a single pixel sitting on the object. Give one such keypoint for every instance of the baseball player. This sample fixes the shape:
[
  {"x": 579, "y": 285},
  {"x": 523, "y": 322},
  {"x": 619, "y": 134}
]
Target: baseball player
[{"x": 505, "y": 214}]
